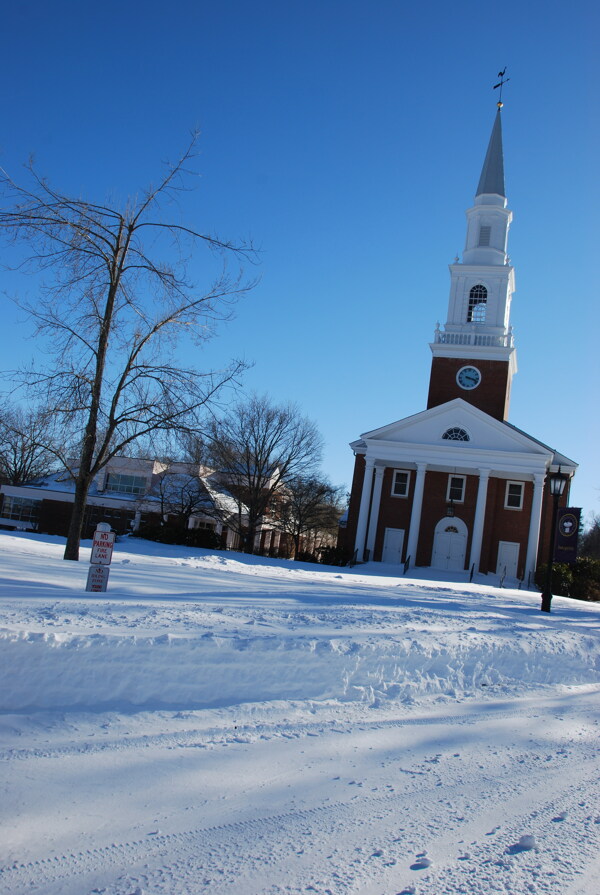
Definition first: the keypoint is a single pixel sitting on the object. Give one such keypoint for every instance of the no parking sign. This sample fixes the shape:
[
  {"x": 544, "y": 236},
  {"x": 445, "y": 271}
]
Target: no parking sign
[{"x": 100, "y": 558}]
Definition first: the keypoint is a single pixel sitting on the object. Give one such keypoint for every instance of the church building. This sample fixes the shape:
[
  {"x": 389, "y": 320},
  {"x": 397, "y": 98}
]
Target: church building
[{"x": 457, "y": 486}]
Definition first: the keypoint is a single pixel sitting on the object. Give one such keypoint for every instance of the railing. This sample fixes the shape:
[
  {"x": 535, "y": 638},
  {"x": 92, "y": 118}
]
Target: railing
[{"x": 473, "y": 338}]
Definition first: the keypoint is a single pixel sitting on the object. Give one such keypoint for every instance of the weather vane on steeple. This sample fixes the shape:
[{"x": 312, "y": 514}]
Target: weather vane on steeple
[{"x": 501, "y": 84}]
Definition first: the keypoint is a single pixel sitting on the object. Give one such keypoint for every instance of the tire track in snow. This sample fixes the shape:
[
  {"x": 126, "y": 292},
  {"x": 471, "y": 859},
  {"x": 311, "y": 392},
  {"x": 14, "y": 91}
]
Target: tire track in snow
[
  {"x": 554, "y": 865},
  {"x": 226, "y": 857},
  {"x": 246, "y": 733}
]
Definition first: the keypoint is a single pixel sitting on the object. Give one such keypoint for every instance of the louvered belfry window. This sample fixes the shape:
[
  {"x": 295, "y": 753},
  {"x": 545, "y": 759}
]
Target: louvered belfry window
[{"x": 485, "y": 233}]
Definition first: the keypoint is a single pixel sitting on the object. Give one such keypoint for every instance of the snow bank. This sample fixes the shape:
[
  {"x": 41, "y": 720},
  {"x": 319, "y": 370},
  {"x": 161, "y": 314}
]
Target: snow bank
[
  {"x": 214, "y": 640},
  {"x": 42, "y": 671}
]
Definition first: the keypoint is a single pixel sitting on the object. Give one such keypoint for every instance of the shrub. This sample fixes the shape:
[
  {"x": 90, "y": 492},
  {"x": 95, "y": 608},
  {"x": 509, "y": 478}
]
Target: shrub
[
  {"x": 306, "y": 556},
  {"x": 188, "y": 537},
  {"x": 586, "y": 579},
  {"x": 335, "y": 556},
  {"x": 581, "y": 580},
  {"x": 562, "y": 577}
]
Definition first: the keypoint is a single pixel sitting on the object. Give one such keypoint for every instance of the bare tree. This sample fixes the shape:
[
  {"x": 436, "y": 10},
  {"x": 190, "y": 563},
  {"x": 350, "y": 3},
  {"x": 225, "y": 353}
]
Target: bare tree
[
  {"x": 182, "y": 495},
  {"x": 589, "y": 540},
  {"x": 113, "y": 311},
  {"x": 255, "y": 448},
  {"x": 308, "y": 505},
  {"x": 27, "y": 444}
]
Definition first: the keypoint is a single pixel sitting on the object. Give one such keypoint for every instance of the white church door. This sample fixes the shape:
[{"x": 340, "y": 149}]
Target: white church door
[
  {"x": 393, "y": 542},
  {"x": 508, "y": 559},
  {"x": 449, "y": 545}
]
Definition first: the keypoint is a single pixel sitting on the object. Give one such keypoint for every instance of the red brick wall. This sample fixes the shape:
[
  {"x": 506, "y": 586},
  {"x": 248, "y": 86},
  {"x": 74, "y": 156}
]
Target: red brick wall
[
  {"x": 347, "y": 535},
  {"x": 394, "y": 512},
  {"x": 434, "y": 508},
  {"x": 491, "y": 395},
  {"x": 502, "y": 524}
]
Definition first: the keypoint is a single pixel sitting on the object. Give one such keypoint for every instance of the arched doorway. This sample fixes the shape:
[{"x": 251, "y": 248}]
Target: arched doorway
[{"x": 449, "y": 545}]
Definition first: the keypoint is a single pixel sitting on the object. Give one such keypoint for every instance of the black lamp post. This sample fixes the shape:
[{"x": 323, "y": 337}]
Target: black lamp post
[{"x": 557, "y": 482}]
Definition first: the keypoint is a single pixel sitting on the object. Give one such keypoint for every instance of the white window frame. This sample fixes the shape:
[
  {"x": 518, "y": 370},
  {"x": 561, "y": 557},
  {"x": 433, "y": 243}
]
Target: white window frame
[
  {"x": 21, "y": 509},
  {"x": 477, "y": 303},
  {"x": 464, "y": 488},
  {"x": 116, "y": 482},
  {"x": 449, "y": 434},
  {"x": 405, "y": 472},
  {"x": 507, "y": 506}
]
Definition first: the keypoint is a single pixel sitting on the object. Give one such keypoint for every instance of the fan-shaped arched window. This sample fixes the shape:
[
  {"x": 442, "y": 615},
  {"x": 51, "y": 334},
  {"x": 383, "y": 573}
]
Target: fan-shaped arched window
[
  {"x": 456, "y": 434},
  {"x": 477, "y": 304}
]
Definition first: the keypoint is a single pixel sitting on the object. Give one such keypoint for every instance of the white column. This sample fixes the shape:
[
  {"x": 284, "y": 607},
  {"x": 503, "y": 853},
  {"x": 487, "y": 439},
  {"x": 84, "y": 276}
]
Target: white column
[
  {"x": 415, "y": 516},
  {"x": 363, "y": 513},
  {"x": 374, "y": 517},
  {"x": 484, "y": 475},
  {"x": 534, "y": 524}
]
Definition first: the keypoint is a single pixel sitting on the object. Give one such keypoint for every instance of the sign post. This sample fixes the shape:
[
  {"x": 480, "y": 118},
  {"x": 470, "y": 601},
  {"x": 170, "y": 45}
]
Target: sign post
[{"x": 100, "y": 559}]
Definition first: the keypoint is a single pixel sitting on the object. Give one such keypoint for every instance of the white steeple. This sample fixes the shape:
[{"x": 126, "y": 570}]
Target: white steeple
[{"x": 478, "y": 323}]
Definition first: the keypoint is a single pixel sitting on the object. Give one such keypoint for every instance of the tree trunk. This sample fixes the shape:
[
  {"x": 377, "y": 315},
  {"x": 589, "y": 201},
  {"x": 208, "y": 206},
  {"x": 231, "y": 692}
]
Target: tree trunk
[
  {"x": 86, "y": 460},
  {"x": 82, "y": 486}
]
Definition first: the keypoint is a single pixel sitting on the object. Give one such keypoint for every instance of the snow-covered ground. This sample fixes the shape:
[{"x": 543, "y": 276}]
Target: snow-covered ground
[{"x": 228, "y": 724}]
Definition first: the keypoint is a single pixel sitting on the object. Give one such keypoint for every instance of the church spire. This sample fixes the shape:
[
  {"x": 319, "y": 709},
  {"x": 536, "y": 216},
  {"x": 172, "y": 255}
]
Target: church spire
[
  {"x": 477, "y": 336},
  {"x": 492, "y": 173}
]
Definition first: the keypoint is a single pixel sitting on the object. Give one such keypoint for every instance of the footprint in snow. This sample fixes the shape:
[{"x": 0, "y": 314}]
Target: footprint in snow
[
  {"x": 421, "y": 864},
  {"x": 560, "y": 817}
]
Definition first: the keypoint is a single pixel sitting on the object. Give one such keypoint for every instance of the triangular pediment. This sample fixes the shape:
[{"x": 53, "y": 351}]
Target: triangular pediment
[{"x": 483, "y": 431}]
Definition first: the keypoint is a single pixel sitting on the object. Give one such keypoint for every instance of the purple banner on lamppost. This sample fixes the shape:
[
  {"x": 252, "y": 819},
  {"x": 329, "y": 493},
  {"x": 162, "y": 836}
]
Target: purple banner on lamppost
[{"x": 567, "y": 529}]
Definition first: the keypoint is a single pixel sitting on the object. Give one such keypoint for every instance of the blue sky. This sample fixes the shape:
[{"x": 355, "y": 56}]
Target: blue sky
[{"x": 346, "y": 139}]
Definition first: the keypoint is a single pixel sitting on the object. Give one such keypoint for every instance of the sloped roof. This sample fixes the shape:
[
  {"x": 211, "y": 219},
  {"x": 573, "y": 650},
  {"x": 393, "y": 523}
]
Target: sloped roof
[
  {"x": 492, "y": 173},
  {"x": 422, "y": 433}
]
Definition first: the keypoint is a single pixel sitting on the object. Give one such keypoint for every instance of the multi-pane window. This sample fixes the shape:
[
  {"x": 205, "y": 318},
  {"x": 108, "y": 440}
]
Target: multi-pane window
[
  {"x": 477, "y": 304},
  {"x": 456, "y": 488},
  {"x": 485, "y": 232},
  {"x": 126, "y": 484},
  {"x": 456, "y": 434},
  {"x": 22, "y": 509},
  {"x": 513, "y": 499},
  {"x": 400, "y": 483}
]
